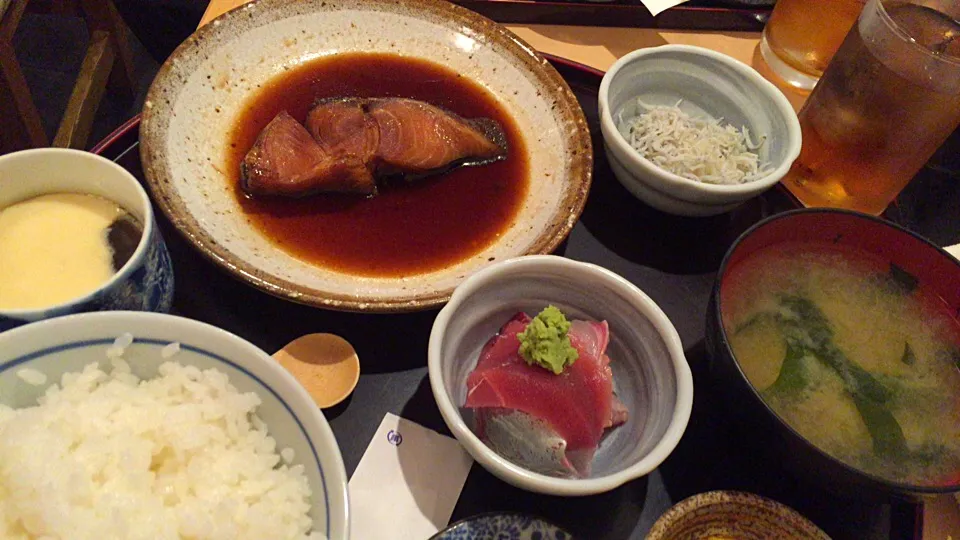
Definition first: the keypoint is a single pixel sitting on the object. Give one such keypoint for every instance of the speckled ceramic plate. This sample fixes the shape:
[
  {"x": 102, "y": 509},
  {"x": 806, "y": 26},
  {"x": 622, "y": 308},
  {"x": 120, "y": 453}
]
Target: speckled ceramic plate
[
  {"x": 199, "y": 91},
  {"x": 503, "y": 527},
  {"x": 733, "y": 514}
]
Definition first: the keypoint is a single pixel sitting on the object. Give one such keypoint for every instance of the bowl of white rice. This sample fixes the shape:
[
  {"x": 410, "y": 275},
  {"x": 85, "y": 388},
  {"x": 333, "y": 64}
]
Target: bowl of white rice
[
  {"x": 694, "y": 132},
  {"x": 145, "y": 426}
]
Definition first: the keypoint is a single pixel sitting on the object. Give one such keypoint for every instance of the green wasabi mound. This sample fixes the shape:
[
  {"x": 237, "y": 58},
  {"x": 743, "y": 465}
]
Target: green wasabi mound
[{"x": 544, "y": 342}]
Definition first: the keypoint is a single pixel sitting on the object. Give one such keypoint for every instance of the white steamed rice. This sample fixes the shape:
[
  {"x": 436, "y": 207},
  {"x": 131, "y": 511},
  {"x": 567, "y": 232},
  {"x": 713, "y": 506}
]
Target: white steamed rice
[
  {"x": 105, "y": 455},
  {"x": 32, "y": 377}
]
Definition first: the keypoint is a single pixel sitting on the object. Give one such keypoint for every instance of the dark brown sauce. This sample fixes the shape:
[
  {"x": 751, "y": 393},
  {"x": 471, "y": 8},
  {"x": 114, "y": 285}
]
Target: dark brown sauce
[{"x": 408, "y": 228}]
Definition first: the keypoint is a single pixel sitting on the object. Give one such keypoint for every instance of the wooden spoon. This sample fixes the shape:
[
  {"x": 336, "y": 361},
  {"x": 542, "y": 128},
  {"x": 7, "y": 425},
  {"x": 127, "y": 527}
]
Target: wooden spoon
[{"x": 325, "y": 364}]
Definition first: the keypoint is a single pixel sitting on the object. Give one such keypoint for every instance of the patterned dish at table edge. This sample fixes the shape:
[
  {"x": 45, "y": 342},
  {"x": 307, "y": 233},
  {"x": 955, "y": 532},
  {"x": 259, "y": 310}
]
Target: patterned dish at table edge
[
  {"x": 502, "y": 527},
  {"x": 733, "y": 514},
  {"x": 199, "y": 91}
]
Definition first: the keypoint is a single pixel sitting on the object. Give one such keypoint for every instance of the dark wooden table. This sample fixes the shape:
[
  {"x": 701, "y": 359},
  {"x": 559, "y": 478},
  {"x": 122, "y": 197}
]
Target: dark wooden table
[{"x": 673, "y": 259}]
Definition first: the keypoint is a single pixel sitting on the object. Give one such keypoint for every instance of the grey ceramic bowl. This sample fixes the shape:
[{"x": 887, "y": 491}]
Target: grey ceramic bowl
[
  {"x": 651, "y": 374},
  {"x": 145, "y": 282},
  {"x": 706, "y": 83}
]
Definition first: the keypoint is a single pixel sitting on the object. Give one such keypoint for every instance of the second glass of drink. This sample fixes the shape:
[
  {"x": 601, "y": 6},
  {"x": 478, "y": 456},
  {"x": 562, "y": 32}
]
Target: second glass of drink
[
  {"x": 889, "y": 98},
  {"x": 803, "y": 35}
]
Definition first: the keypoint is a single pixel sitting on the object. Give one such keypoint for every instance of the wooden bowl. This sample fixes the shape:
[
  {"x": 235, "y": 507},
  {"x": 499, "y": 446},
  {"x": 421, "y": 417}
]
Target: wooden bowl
[
  {"x": 198, "y": 93},
  {"x": 732, "y": 514}
]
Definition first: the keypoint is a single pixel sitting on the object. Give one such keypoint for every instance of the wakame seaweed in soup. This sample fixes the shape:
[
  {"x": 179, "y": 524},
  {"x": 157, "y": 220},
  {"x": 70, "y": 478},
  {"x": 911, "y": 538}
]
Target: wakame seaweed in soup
[{"x": 854, "y": 354}]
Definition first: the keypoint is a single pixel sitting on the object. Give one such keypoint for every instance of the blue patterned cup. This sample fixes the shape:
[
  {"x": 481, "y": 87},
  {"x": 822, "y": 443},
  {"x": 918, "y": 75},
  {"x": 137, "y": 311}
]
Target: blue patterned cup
[{"x": 145, "y": 282}]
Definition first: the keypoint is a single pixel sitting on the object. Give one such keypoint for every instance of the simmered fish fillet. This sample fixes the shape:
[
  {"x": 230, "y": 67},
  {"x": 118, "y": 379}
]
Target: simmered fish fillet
[
  {"x": 349, "y": 142},
  {"x": 286, "y": 160},
  {"x": 418, "y": 137},
  {"x": 343, "y": 126}
]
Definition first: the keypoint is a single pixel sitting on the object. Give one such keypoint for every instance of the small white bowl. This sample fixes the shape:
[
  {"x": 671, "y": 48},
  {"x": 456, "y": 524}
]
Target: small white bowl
[
  {"x": 67, "y": 344},
  {"x": 706, "y": 83},
  {"x": 651, "y": 375}
]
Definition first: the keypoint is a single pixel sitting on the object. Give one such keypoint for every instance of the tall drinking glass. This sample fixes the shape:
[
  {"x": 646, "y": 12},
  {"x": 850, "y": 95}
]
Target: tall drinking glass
[
  {"x": 889, "y": 98},
  {"x": 802, "y": 36}
]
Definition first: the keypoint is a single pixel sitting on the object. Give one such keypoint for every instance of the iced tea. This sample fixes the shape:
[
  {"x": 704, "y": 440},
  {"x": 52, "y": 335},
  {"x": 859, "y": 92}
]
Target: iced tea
[
  {"x": 890, "y": 97},
  {"x": 803, "y": 35}
]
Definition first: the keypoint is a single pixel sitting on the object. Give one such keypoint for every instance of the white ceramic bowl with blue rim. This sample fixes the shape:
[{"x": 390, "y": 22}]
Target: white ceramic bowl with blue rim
[
  {"x": 651, "y": 374},
  {"x": 145, "y": 282},
  {"x": 707, "y": 84},
  {"x": 67, "y": 344}
]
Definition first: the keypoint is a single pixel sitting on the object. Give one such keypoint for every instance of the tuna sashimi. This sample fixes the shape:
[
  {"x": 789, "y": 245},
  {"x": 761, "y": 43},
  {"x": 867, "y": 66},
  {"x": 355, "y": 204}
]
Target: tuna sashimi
[{"x": 560, "y": 418}]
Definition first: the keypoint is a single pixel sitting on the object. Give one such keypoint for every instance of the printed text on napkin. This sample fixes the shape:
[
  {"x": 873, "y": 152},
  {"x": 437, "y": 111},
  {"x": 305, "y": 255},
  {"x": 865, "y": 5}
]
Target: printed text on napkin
[{"x": 407, "y": 482}]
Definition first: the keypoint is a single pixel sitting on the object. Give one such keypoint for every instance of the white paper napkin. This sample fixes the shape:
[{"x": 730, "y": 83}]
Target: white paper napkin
[
  {"x": 407, "y": 482},
  {"x": 953, "y": 250},
  {"x": 657, "y": 6}
]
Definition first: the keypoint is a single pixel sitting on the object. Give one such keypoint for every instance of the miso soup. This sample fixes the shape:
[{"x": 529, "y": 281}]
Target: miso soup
[{"x": 854, "y": 354}]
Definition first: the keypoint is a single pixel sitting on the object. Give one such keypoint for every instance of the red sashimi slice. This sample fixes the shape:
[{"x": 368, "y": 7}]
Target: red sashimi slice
[
  {"x": 595, "y": 337},
  {"x": 590, "y": 337},
  {"x": 618, "y": 413},
  {"x": 578, "y": 404},
  {"x": 500, "y": 347}
]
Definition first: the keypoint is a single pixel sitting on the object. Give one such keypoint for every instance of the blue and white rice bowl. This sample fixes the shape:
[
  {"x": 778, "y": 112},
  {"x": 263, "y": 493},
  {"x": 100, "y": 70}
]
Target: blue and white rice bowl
[{"x": 67, "y": 344}]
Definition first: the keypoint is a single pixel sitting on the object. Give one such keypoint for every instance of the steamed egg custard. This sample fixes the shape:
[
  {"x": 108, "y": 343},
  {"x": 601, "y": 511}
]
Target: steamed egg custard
[
  {"x": 55, "y": 248},
  {"x": 854, "y": 354}
]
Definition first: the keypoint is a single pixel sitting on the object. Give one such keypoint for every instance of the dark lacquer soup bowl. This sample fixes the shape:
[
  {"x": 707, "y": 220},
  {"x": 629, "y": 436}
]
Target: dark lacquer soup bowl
[{"x": 835, "y": 337}]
